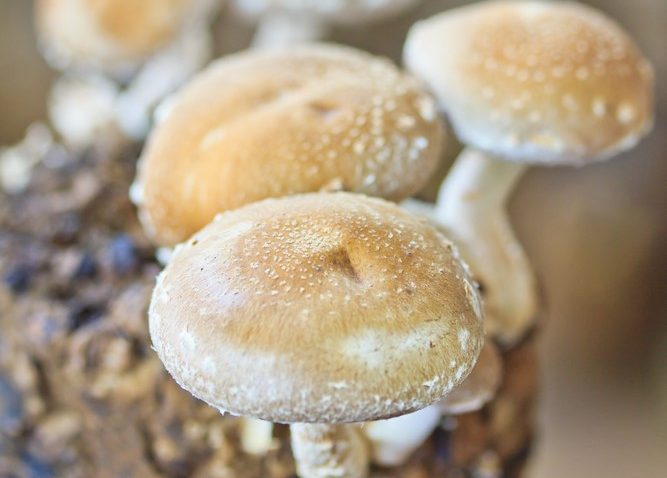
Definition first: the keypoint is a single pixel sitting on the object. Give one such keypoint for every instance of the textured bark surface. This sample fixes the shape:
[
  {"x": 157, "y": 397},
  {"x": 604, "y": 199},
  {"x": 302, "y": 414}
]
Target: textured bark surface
[{"x": 81, "y": 391}]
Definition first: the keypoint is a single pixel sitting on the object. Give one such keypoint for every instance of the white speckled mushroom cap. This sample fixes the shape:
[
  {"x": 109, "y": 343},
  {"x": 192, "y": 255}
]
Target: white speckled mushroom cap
[
  {"x": 329, "y": 307},
  {"x": 535, "y": 81},
  {"x": 262, "y": 124},
  {"x": 110, "y": 35},
  {"x": 339, "y": 11}
]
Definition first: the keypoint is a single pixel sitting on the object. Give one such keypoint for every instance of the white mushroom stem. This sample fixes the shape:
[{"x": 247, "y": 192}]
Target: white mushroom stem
[
  {"x": 393, "y": 441},
  {"x": 419, "y": 207},
  {"x": 329, "y": 451},
  {"x": 256, "y": 436},
  {"x": 472, "y": 205},
  {"x": 160, "y": 76},
  {"x": 283, "y": 29}
]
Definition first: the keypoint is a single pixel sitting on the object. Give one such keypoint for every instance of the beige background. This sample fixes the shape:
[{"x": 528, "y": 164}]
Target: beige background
[{"x": 597, "y": 236}]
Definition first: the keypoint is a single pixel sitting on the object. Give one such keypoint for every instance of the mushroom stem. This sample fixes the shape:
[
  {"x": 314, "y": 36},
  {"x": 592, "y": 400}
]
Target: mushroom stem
[
  {"x": 256, "y": 436},
  {"x": 159, "y": 77},
  {"x": 472, "y": 205},
  {"x": 393, "y": 441},
  {"x": 283, "y": 29},
  {"x": 329, "y": 451},
  {"x": 419, "y": 207}
]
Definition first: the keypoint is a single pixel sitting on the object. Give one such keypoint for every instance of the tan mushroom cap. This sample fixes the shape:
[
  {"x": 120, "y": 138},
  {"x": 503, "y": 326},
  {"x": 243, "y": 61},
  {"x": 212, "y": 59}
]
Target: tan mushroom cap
[
  {"x": 265, "y": 124},
  {"x": 534, "y": 81},
  {"x": 107, "y": 34},
  {"x": 479, "y": 387},
  {"x": 329, "y": 307},
  {"x": 339, "y": 11}
]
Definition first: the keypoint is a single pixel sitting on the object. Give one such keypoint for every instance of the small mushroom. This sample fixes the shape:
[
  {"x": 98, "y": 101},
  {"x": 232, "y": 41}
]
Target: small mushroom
[
  {"x": 318, "y": 310},
  {"x": 111, "y": 36},
  {"x": 148, "y": 47},
  {"x": 271, "y": 123},
  {"x": 284, "y": 22},
  {"x": 524, "y": 82},
  {"x": 393, "y": 441}
]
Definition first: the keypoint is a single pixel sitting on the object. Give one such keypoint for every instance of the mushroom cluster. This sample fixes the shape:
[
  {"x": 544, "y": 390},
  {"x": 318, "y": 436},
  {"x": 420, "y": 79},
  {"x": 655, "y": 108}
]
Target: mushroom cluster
[
  {"x": 295, "y": 292},
  {"x": 325, "y": 308}
]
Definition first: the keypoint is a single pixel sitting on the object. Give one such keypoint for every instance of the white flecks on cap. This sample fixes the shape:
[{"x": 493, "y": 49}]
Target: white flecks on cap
[
  {"x": 295, "y": 295},
  {"x": 301, "y": 118},
  {"x": 535, "y": 81}
]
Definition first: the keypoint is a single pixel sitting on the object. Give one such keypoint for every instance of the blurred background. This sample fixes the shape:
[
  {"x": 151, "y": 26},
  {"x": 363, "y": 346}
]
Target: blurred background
[{"x": 597, "y": 237}]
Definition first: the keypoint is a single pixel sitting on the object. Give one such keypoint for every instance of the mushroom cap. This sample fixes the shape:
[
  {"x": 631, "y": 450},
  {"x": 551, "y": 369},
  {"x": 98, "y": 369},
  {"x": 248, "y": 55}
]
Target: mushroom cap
[
  {"x": 262, "y": 124},
  {"x": 108, "y": 35},
  {"x": 534, "y": 81},
  {"x": 479, "y": 387},
  {"x": 323, "y": 308},
  {"x": 337, "y": 11}
]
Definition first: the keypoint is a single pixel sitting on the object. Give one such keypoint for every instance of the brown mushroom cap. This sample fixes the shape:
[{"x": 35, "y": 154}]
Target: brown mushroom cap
[
  {"x": 329, "y": 307},
  {"x": 535, "y": 81},
  {"x": 265, "y": 124},
  {"x": 107, "y": 34},
  {"x": 339, "y": 11}
]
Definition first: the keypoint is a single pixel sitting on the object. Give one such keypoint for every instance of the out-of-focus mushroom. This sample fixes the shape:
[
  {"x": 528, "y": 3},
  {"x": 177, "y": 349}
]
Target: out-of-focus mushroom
[
  {"x": 151, "y": 47},
  {"x": 266, "y": 123},
  {"x": 111, "y": 36},
  {"x": 285, "y": 22},
  {"x": 524, "y": 82},
  {"x": 318, "y": 310},
  {"x": 393, "y": 441},
  {"x": 82, "y": 108},
  {"x": 18, "y": 161}
]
